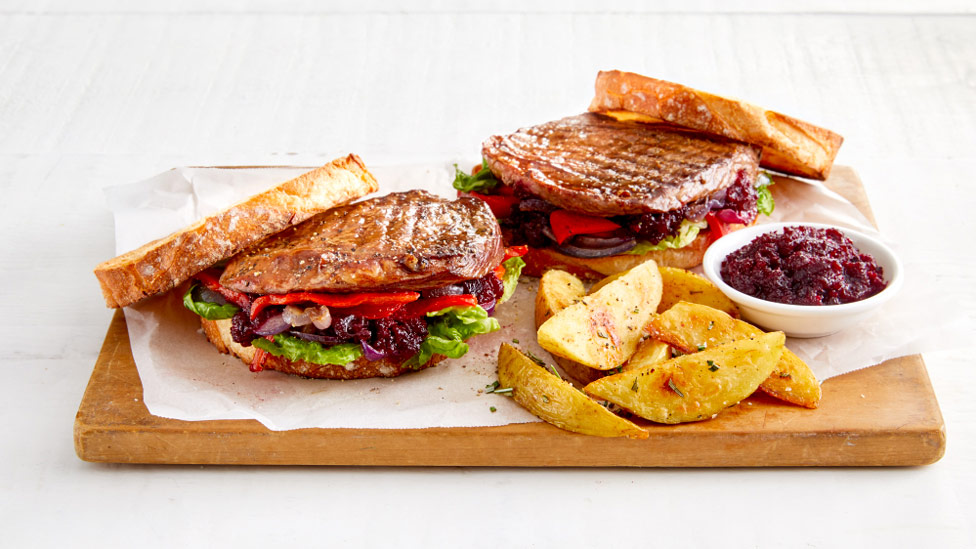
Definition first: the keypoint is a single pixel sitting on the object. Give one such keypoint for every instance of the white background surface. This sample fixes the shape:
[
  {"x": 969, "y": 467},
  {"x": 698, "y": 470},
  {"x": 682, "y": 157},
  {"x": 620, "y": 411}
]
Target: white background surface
[{"x": 99, "y": 93}]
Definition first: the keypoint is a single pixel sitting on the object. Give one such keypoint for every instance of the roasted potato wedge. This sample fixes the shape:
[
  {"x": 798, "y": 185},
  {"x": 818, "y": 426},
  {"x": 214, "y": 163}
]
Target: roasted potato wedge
[
  {"x": 556, "y": 401},
  {"x": 690, "y": 327},
  {"x": 696, "y": 386},
  {"x": 604, "y": 281},
  {"x": 558, "y": 290},
  {"x": 648, "y": 353},
  {"x": 682, "y": 285},
  {"x": 603, "y": 329}
]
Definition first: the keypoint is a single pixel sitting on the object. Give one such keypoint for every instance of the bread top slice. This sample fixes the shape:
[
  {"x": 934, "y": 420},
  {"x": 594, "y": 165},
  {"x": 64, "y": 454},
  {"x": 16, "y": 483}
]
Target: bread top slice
[
  {"x": 163, "y": 264},
  {"x": 402, "y": 241},
  {"x": 789, "y": 145}
]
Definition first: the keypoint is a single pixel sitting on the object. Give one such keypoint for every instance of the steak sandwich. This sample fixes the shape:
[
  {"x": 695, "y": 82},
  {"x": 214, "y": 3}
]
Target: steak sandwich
[
  {"x": 372, "y": 289},
  {"x": 304, "y": 280},
  {"x": 655, "y": 171}
]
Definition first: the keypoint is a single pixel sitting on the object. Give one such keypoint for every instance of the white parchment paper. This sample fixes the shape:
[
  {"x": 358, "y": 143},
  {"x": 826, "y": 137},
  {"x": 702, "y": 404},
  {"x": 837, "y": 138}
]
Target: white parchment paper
[{"x": 184, "y": 377}]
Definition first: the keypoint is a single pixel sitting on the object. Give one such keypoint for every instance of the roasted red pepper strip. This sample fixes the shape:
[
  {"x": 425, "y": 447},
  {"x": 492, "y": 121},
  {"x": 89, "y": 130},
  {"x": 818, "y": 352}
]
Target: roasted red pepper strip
[
  {"x": 500, "y": 204},
  {"x": 510, "y": 252},
  {"x": 515, "y": 251},
  {"x": 209, "y": 280},
  {"x": 430, "y": 305},
  {"x": 565, "y": 224},
  {"x": 333, "y": 300},
  {"x": 716, "y": 227},
  {"x": 372, "y": 312}
]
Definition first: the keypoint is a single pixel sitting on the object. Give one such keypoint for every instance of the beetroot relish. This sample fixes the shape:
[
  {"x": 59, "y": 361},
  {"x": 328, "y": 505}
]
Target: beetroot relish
[{"x": 803, "y": 266}]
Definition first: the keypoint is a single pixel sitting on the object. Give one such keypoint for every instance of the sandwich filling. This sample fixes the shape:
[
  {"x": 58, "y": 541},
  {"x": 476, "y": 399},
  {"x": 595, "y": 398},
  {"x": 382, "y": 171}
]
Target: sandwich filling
[
  {"x": 330, "y": 328},
  {"x": 404, "y": 277},
  {"x": 593, "y": 186},
  {"x": 528, "y": 219}
]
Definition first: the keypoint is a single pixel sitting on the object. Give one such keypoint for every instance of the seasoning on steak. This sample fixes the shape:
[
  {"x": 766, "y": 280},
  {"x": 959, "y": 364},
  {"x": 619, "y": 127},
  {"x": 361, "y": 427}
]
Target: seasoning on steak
[
  {"x": 403, "y": 241},
  {"x": 600, "y": 166}
]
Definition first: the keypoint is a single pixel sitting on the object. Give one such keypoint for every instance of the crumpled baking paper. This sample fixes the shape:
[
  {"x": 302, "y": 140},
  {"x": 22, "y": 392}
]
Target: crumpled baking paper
[{"x": 184, "y": 377}]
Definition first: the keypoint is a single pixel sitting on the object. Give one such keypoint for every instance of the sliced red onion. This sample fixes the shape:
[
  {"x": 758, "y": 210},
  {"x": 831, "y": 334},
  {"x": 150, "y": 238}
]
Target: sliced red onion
[
  {"x": 274, "y": 324},
  {"x": 370, "y": 352},
  {"x": 590, "y": 241},
  {"x": 547, "y": 230},
  {"x": 577, "y": 251},
  {"x": 450, "y": 289},
  {"x": 730, "y": 216},
  {"x": 489, "y": 306},
  {"x": 318, "y": 338}
]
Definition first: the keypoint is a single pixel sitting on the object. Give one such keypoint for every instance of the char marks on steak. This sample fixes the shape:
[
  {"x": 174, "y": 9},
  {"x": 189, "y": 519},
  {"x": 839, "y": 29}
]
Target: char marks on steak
[
  {"x": 600, "y": 166},
  {"x": 402, "y": 241}
]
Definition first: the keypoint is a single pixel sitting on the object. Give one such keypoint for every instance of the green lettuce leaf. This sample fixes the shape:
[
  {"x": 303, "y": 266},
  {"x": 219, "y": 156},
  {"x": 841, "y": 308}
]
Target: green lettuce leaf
[
  {"x": 764, "y": 198},
  {"x": 513, "y": 269},
  {"x": 449, "y": 328},
  {"x": 294, "y": 348},
  {"x": 210, "y": 311},
  {"x": 686, "y": 235},
  {"x": 479, "y": 182}
]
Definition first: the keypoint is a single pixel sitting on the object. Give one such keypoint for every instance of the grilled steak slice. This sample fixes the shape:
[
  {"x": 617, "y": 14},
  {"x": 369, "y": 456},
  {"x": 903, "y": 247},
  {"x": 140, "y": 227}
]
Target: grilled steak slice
[
  {"x": 597, "y": 165},
  {"x": 402, "y": 241}
]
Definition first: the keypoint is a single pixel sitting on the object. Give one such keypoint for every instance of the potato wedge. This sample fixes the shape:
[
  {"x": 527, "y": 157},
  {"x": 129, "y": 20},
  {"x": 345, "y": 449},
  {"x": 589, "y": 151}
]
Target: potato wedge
[
  {"x": 690, "y": 327},
  {"x": 602, "y": 330},
  {"x": 696, "y": 386},
  {"x": 682, "y": 285},
  {"x": 648, "y": 353},
  {"x": 556, "y": 401},
  {"x": 604, "y": 281},
  {"x": 558, "y": 290}
]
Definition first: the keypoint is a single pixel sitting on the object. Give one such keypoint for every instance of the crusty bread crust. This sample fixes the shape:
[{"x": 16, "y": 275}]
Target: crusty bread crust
[
  {"x": 163, "y": 264},
  {"x": 218, "y": 332},
  {"x": 789, "y": 145}
]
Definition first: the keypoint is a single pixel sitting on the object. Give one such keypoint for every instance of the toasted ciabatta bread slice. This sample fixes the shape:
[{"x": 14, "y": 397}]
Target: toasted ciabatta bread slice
[
  {"x": 218, "y": 332},
  {"x": 163, "y": 264},
  {"x": 789, "y": 145}
]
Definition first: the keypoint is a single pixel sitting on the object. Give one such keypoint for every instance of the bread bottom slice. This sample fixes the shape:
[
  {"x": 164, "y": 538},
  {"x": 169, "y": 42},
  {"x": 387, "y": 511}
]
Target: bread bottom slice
[
  {"x": 218, "y": 332},
  {"x": 540, "y": 260}
]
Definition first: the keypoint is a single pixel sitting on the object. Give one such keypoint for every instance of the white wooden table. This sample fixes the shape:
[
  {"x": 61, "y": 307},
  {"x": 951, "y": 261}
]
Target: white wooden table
[{"x": 106, "y": 93}]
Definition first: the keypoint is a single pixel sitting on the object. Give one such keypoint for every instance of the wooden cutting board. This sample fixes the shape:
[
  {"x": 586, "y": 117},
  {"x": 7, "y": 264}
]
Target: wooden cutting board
[{"x": 884, "y": 415}]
